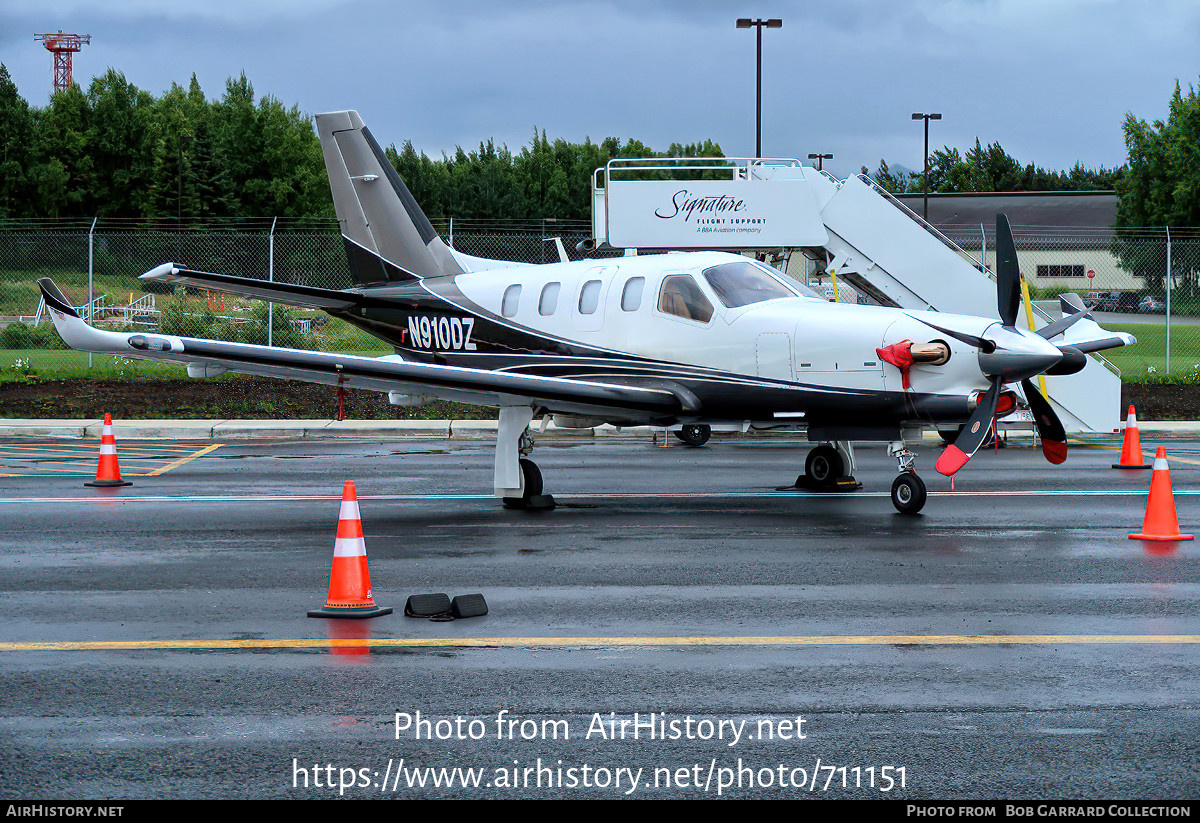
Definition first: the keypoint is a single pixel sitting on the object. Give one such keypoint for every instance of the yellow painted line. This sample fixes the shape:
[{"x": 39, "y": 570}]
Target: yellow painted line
[
  {"x": 187, "y": 459},
  {"x": 534, "y": 642},
  {"x": 91, "y": 449},
  {"x": 141, "y": 465}
]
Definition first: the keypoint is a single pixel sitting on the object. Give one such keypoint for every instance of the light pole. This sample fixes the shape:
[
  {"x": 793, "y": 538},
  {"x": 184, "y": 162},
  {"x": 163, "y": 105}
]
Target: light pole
[
  {"x": 820, "y": 158},
  {"x": 926, "y": 117},
  {"x": 759, "y": 23}
]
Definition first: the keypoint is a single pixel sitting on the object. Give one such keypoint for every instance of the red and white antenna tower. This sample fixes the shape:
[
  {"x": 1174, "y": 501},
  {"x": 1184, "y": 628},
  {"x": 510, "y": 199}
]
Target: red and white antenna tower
[{"x": 63, "y": 46}]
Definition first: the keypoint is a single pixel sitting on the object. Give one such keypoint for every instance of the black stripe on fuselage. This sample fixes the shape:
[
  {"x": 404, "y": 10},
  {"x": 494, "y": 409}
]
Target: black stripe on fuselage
[{"x": 503, "y": 345}]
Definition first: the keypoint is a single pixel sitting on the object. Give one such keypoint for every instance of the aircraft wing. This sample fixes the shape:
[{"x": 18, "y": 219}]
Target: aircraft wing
[
  {"x": 290, "y": 293},
  {"x": 1086, "y": 334},
  {"x": 383, "y": 374}
]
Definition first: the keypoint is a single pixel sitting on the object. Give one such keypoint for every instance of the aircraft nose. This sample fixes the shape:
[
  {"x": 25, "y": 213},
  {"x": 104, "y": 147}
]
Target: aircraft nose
[{"x": 1019, "y": 356}]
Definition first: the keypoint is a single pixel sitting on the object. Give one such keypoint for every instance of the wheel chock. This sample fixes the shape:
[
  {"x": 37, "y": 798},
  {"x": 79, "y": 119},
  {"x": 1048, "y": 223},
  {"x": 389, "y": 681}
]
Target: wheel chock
[
  {"x": 804, "y": 483},
  {"x": 469, "y": 605},
  {"x": 533, "y": 503},
  {"x": 427, "y": 605}
]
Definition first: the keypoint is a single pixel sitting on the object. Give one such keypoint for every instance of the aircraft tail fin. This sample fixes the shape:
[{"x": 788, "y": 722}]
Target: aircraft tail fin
[{"x": 388, "y": 238}]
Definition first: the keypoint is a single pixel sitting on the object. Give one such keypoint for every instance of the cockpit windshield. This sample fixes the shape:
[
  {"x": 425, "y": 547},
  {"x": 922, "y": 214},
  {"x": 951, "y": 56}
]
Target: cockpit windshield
[{"x": 742, "y": 283}]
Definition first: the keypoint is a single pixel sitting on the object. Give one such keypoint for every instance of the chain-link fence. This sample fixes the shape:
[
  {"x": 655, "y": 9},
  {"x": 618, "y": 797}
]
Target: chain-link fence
[
  {"x": 1142, "y": 281},
  {"x": 1123, "y": 274}
]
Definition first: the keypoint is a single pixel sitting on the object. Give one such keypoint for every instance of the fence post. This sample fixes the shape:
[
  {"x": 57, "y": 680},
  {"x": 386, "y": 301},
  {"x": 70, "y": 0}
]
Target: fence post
[
  {"x": 271, "y": 279},
  {"x": 1168, "y": 311},
  {"x": 91, "y": 268},
  {"x": 983, "y": 247}
]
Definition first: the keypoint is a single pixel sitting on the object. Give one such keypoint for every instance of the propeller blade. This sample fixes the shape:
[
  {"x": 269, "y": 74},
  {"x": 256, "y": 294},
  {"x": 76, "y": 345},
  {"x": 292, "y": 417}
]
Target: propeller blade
[
  {"x": 1062, "y": 324},
  {"x": 956, "y": 455},
  {"x": 1050, "y": 428},
  {"x": 987, "y": 346},
  {"x": 1008, "y": 273}
]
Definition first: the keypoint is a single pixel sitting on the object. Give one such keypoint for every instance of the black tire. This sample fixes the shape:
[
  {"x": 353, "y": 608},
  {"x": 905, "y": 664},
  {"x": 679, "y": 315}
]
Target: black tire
[
  {"x": 824, "y": 466},
  {"x": 531, "y": 476},
  {"x": 949, "y": 435},
  {"x": 908, "y": 493},
  {"x": 694, "y": 434}
]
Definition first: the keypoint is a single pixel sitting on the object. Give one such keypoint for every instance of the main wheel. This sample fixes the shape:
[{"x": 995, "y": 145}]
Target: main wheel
[
  {"x": 908, "y": 493},
  {"x": 694, "y": 434},
  {"x": 824, "y": 466},
  {"x": 531, "y": 482}
]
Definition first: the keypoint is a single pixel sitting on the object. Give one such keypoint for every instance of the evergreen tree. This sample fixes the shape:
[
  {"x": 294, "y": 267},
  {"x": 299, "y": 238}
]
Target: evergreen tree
[
  {"x": 16, "y": 147},
  {"x": 63, "y": 172}
]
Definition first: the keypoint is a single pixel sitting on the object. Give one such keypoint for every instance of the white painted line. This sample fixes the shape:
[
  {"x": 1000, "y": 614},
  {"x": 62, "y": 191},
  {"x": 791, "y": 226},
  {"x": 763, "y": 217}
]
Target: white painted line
[{"x": 124, "y": 497}]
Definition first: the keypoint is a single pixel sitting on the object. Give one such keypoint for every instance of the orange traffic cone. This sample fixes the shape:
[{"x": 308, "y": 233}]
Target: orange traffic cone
[
  {"x": 349, "y": 579},
  {"x": 1131, "y": 448},
  {"x": 108, "y": 472},
  {"x": 1161, "y": 522}
]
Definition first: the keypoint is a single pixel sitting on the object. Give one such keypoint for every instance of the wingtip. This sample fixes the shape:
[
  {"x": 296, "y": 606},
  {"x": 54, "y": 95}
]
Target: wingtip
[
  {"x": 159, "y": 272},
  {"x": 54, "y": 298}
]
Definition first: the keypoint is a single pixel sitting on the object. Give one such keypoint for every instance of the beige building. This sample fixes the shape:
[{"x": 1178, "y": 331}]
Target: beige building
[{"x": 1061, "y": 236}]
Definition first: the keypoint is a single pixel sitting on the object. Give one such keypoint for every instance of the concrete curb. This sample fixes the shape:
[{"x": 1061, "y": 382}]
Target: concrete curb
[{"x": 426, "y": 429}]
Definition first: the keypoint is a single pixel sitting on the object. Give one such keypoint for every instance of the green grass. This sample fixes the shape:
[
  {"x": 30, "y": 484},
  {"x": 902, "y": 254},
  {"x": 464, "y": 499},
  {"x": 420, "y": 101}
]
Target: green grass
[
  {"x": 1136, "y": 362},
  {"x": 67, "y": 364}
]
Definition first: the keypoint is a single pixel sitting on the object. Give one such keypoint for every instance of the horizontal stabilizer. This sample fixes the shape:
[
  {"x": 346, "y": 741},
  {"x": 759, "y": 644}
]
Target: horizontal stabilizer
[{"x": 289, "y": 293}]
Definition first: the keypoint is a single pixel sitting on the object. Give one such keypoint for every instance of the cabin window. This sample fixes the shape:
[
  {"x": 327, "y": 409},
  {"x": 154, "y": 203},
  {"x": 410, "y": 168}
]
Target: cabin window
[
  {"x": 631, "y": 295},
  {"x": 549, "y": 299},
  {"x": 589, "y": 297},
  {"x": 512, "y": 296},
  {"x": 680, "y": 295},
  {"x": 740, "y": 284}
]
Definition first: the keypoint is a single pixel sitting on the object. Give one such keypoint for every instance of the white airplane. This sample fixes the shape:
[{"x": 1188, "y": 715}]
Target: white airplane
[{"x": 696, "y": 339}]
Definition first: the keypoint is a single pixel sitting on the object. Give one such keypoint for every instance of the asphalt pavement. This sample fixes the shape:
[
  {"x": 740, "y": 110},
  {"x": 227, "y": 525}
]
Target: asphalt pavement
[{"x": 675, "y": 628}]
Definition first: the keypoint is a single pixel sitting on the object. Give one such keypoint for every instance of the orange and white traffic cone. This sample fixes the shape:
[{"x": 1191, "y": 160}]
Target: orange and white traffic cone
[
  {"x": 1161, "y": 522},
  {"x": 108, "y": 472},
  {"x": 1131, "y": 448},
  {"x": 349, "y": 579}
]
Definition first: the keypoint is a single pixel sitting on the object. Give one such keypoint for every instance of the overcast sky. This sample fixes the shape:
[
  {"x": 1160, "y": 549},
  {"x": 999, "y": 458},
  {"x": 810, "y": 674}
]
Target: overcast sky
[{"x": 1051, "y": 80}]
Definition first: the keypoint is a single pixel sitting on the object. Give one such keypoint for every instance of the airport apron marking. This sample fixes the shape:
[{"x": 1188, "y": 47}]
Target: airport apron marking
[
  {"x": 606, "y": 642},
  {"x": 68, "y": 460},
  {"x": 1171, "y": 458},
  {"x": 301, "y": 498}
]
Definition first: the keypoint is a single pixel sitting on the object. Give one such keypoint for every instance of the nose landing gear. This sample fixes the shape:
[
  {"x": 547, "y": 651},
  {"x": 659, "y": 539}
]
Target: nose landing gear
[{"x": 908, "y": 489}]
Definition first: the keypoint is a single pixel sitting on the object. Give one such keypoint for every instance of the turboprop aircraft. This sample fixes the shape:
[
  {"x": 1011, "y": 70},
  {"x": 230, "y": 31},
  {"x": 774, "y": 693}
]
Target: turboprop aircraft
[{"x": 696, "y": 338}]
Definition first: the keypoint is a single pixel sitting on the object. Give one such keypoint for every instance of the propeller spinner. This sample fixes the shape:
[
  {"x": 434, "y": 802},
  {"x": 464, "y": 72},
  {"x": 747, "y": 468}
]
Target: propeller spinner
[{"x": 1008, "y": 355}]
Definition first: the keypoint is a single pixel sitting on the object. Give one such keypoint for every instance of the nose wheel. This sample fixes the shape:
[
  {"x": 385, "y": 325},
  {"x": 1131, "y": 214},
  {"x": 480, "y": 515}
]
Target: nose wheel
[
  {"x": 908, "y": 489},
  {"x": 908, "y": 493}
]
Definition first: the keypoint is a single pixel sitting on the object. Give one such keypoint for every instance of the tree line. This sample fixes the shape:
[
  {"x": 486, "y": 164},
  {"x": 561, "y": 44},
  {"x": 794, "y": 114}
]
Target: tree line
[
  {"x": 990, "y": 169},
  {"x": 119, "y": 151}
]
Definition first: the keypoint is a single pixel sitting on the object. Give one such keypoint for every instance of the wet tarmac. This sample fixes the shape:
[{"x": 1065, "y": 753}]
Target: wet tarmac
[{"x": 1011, "y": 642}]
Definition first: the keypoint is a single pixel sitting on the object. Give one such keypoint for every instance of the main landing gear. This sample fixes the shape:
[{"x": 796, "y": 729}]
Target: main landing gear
[
  {"x": 518, "y": 481},
  {"x": 829, "y": 467},
  {"x": 694, "y": 434},
  {"x": 908, "y": 489}
]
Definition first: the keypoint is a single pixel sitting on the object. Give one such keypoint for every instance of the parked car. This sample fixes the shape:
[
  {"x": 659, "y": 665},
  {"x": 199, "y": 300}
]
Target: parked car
[
  {"x": 1093, "y": 298},
  {"x": 1150, "y": 305},
  {"x": 1121, "y": 301}
]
